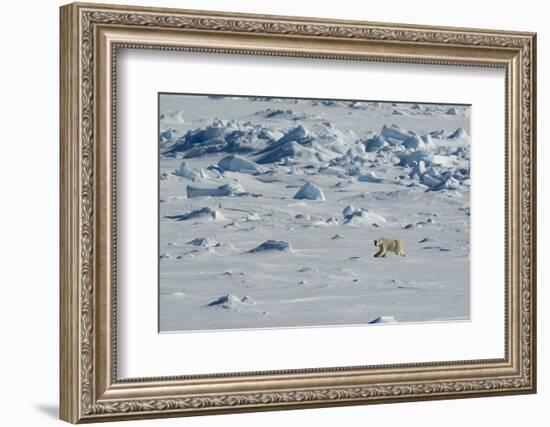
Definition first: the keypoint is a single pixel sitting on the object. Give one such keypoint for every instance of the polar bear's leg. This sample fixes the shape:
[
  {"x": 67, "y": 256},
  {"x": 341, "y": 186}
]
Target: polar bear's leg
[
  {"x": 381, "y": 252},
  {"x": 399, "y": 251}
]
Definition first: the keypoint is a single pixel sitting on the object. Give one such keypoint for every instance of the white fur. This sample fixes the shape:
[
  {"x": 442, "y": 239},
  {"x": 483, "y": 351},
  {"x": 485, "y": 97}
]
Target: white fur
[{"x": 392, "y": 245}]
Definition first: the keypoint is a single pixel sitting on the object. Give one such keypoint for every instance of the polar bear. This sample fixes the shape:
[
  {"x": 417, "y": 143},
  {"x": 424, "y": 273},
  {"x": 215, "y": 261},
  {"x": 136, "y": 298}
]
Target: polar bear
[{"x": 391, "y": 245}]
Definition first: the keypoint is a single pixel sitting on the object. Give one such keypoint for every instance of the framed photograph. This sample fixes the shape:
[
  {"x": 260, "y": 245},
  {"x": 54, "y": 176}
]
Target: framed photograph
[{"x": 267, "y": 212}]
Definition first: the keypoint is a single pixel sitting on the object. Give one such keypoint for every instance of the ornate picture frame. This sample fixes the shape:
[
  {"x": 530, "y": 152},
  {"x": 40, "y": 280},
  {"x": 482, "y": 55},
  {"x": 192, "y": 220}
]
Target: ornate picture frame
[{"x": 91, "y": 34}]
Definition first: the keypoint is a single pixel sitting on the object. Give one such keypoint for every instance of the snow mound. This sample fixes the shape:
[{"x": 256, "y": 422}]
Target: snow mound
[
  {"x": 206, "y": 213},
  {"x": 310, "y": 191},
  {"x": 272, "y": 245},
  {"x": 382, "y": 319},
  {"x": 328, "y": 170},
  {"x": 447, "y": 182},
  {"x": 228, "y": 190},
  {"x": 278, "y": 113},
  {"x": 328, "y": 221},
  {"x": 348, "y": 210},
  {"x": 357, "y": 105},
  {"x": 369, "y": 177},
  {"x": 165, "y": 176},
  {"x": 236, "y": 163},
  {"x": 329, "y": 103},
  {"x": 186, "y": 171},
  {"x": 231, "y": 302},
  {"x": 174, "y": 117},
  {"x": 247, "y": 300},
  {"x": 362, "y": 216},
  {"x": 460, "y": 133},
  {"x": 205, "y": 242},
  {"x": 253, "y": 216}
]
